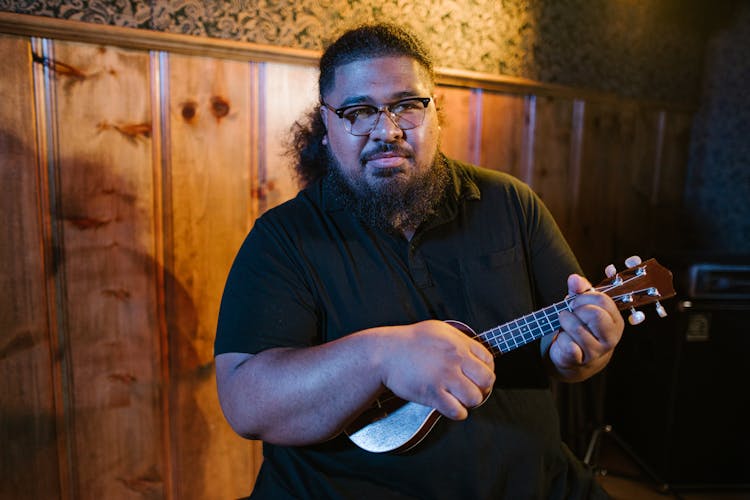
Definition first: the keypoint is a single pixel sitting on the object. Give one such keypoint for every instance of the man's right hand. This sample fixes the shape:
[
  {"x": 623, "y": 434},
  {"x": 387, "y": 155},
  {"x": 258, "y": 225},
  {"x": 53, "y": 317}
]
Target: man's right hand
[{"x": 434, "y": 364}]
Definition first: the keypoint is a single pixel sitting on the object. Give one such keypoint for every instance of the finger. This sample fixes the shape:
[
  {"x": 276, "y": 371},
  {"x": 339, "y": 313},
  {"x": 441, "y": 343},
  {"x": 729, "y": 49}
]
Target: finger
[
  {"x": 578, "y": 331},
  {"x": 565, "y": 351},
  {"x": 466, "y": 392},
  {"x": 578, "y": 284},
  {"x": 481, "y": 375},
  {"x": 482, "y": 353},
  {"x": 448, "y": 405}
]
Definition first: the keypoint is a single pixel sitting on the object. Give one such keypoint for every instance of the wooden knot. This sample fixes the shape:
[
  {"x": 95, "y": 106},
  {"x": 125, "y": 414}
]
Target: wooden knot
[
  {"x": 219, "y": 107},
  {"x": 189, "y": 110}
]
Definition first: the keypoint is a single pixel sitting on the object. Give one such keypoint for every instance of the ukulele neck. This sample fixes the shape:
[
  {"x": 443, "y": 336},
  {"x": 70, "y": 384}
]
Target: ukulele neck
[{"x": 526, "y": 329}]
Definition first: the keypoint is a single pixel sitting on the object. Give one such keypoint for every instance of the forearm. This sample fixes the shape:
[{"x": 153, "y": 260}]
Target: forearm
[{"x": 299, "y": 396}]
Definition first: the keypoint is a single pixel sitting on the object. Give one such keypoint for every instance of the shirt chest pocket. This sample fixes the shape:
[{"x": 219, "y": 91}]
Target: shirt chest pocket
[{"x": 496, "y": 286}]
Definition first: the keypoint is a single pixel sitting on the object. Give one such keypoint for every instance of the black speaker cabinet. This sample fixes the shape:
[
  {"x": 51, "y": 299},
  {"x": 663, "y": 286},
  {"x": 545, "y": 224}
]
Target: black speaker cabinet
[{"x": 677, "y": 393}]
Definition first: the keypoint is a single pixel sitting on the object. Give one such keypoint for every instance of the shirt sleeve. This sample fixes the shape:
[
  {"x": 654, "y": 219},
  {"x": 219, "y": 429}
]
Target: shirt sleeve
[{"x": 267, "y": 301}]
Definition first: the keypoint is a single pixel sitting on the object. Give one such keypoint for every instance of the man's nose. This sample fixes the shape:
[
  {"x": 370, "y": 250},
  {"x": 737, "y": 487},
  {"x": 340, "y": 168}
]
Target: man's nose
[{"x": 386, "y": 129}]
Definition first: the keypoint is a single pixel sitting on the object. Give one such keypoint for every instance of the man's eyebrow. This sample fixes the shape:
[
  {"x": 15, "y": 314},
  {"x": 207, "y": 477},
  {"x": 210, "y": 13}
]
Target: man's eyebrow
[
  {"x": 357, "y": 99},
  {"x": 365, "y": 99}
]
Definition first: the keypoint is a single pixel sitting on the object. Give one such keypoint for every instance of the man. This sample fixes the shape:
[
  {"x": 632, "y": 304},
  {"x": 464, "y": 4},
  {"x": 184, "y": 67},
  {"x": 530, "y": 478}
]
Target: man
[{"x": 337, "y": 295}]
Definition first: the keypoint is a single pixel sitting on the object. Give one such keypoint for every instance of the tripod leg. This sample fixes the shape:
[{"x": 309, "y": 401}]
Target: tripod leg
[
  {"x": 603, "y": 430},
  {"x": 593, "y": 442}
]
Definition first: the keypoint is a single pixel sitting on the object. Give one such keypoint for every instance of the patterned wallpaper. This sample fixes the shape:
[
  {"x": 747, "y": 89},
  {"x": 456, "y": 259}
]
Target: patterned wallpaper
[
  {"x": 638, "y": 48},
  {"x": 718, "y": 194}
]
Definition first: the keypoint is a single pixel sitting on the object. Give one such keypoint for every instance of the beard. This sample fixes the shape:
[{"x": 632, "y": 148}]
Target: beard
[{"x": 393, "y": 203}]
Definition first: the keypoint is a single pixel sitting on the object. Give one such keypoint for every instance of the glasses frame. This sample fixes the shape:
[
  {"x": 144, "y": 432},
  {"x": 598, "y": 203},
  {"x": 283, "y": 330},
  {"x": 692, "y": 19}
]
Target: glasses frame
[{"x": 383, "y": 108}]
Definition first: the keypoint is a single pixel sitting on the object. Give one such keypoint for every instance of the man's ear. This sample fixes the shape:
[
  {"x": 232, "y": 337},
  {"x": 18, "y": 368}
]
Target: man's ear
[{"x": 323, "y": 116}]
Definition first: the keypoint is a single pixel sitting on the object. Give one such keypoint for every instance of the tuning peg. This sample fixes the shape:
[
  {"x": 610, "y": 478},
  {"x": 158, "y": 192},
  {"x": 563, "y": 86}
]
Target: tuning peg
[
  {"x": 660, "y": 310},
  {"x": 632, "y": 261},
  {"x": 636, "y": 317},
  {"x": 610, "y": 270}
]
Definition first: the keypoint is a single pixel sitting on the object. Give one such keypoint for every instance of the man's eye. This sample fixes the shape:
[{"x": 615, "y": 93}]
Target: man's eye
[
  {"x": 406, "y": 106},
  {"x": 354, "y": 114}
]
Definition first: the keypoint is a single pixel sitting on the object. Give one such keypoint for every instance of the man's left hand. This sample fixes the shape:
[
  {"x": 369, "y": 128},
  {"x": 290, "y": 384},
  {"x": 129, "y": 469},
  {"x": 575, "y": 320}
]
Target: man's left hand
[{"x": 588, "y": 334}]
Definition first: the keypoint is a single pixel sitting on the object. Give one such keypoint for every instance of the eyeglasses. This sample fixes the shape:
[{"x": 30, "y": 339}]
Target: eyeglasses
[{"x": 360, "y": 119}]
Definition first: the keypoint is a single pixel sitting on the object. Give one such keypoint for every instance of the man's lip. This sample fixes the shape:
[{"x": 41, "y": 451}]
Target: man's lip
[
  {"x": 378, "y": 156},
  {"x": 386, "y": 161}
]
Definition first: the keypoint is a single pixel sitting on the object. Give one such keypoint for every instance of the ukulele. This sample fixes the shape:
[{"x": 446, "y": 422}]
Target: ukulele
[{"x": 392, "y": 424}]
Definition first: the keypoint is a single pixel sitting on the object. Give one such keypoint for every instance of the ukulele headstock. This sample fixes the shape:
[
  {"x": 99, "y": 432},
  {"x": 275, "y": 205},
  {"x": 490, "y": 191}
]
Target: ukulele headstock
[{"x": 645, "y": 283}]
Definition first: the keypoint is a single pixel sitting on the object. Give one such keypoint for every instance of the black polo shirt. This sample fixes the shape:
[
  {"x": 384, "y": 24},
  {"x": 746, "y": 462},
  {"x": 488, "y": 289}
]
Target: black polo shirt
[{"x": 310, "y": 272}]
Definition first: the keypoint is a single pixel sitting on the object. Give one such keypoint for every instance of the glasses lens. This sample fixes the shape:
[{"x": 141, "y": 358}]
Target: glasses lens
[
  {"x": 406, "y": 114},
  {"x": 409, "y": 113},
  {"x": 360, "y": 120}
]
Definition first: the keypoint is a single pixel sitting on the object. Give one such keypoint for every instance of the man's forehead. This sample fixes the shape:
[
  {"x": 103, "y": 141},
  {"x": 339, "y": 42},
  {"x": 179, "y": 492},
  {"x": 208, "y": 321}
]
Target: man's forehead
[{"x": 391, "y": 77}]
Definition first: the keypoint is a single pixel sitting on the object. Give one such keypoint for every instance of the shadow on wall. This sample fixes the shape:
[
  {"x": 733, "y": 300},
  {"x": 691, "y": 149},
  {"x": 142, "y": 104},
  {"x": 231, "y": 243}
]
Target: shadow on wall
[
  {"x": 138, "y": 291},
  {"x": 119, "y": 386}
]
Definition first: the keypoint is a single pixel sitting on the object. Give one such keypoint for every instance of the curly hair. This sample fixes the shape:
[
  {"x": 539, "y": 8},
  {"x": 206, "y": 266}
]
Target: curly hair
[{"x": 366, "y": 41}]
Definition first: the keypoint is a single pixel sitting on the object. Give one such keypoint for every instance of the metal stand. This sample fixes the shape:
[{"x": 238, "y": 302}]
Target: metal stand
[{"x": 606, "y": 430}]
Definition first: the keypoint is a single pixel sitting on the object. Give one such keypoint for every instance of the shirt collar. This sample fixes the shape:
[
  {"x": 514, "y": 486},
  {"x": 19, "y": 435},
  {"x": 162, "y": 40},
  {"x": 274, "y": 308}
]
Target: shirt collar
[{"x": 461, "y": 188}]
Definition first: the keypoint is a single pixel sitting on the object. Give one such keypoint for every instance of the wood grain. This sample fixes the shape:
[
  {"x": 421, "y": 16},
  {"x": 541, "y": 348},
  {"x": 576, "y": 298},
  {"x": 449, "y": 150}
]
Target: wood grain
[
  {"x": 607, "y": 132},
  {"x": 459, "y": 127},
  {"x": 675, "y": 155},
  {"x": 553, "y": 172},
  {"x": 287, "y": 93},
  {"x": 105, "y": 209},
  {"x": 669, "y": 223},
  {"x": 28, "y": 414},
  {"x": 635, "y": 226},
  {"x": 503, "y": 130},
  {"x": 209, "y": 212}
]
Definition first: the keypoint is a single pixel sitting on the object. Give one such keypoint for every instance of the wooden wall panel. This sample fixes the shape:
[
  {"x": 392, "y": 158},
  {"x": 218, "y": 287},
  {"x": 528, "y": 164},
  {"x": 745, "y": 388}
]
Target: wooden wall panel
[
  {"x": 674, "y": 157},
  {"x": 211, "y": 168},
  {"x": 503, "y": 134},
  {"x": 555, "y": 167},
  {"x": 459, "y": 138},
  {"x": 29, "y": 461},
  {"x": 607, "y": 133},
  {"x": 668, "y": 217},
  {"x": 634, "y": 231},
  {"x": 288, "y": 92},
  {"x": 105, "y": 206}
]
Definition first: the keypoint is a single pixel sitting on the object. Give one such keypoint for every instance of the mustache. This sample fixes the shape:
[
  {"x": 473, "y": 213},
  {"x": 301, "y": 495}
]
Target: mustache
[{"x": 385, "y": 148}]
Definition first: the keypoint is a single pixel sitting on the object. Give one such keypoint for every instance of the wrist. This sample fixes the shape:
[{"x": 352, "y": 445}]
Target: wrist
[{"x": 375, "y": 352}]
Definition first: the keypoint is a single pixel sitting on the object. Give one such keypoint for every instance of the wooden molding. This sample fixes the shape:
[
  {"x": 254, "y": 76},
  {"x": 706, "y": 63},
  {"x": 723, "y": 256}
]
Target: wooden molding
[
  {"x": 142, "y": 39},
  {"x": 78, "y": 31},
  {"x": 513, "y": 84}
]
